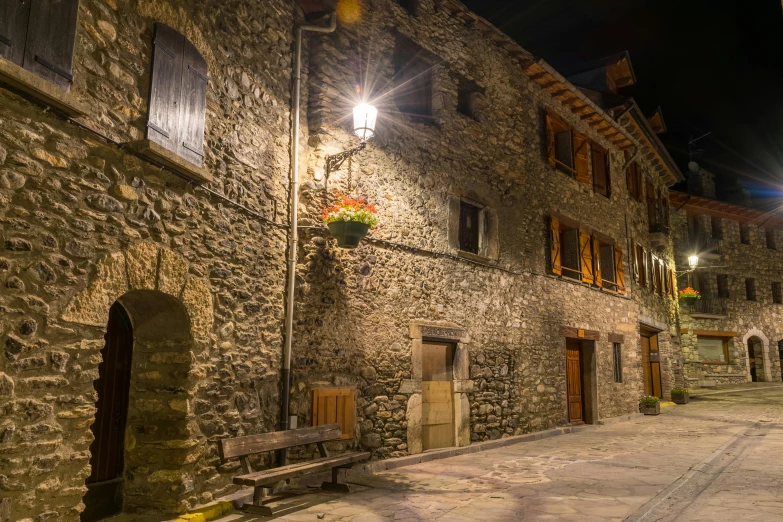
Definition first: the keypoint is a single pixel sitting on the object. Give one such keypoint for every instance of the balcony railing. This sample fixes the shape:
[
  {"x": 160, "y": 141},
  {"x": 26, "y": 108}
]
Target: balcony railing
[{"x": 708, "y": 305}]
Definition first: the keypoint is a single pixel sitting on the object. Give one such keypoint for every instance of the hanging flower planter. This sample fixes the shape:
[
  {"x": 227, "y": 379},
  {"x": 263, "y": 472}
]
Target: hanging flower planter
[
  {"x": 349, "y": 220},
  {"x": 689, "y": 296}
]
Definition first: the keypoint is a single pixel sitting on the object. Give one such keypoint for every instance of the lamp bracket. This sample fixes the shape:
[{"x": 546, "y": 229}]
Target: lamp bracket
[{"x": 335, "y": 161}]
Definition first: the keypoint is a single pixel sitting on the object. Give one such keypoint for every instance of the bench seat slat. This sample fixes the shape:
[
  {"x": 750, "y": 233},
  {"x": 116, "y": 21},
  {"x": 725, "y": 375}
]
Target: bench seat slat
[
  {"x": 252, "y": 444},
  {"x": 270, "y": 477}
]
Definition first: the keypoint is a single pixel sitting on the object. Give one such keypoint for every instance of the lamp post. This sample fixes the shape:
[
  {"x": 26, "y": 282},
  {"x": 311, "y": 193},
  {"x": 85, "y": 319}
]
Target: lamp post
[{"x": 364, "y": 118}]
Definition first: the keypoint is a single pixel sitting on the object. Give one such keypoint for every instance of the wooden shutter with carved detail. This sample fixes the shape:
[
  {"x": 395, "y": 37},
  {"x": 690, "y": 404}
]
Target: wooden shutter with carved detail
[
  {"x": 597, "y": 261},
  {"x": 554, "y": 242},
  {"x": 619, "y": 273},
  {"x": 582, "y": 158},
  {"x": 586, "y": 256},
  {"x": 335, "y": 405}
]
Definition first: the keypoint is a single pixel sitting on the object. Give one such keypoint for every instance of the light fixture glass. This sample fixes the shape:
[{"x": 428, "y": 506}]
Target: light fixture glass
[
  {"x": 693, "y": 261},
  {"x": 364, "y": 118}
]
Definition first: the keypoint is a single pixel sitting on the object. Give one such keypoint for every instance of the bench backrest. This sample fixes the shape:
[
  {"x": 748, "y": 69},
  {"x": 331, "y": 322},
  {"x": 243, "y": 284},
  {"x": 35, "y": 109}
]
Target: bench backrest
[{"x": 252, "y": 444}]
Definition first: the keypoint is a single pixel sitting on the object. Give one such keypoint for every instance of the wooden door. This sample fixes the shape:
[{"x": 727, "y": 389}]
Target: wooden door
[
  {"x": 646, "y": 376},
  {"x": 655, "y": 367},
  {"x": 752, "y": 360},
  {"x": 437, "y": 393},
  {"x": 574, "y": 381},
  {"x": 104, "y": 486}
]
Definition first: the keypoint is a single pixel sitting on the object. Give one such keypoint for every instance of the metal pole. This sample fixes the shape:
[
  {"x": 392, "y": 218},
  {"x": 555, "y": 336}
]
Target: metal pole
[{"x": 293, "y": 234}]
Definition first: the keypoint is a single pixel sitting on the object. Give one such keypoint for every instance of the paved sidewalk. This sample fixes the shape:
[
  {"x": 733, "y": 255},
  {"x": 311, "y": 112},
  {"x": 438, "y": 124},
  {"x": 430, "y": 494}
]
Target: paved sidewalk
[{"x": 714, "y": 459}]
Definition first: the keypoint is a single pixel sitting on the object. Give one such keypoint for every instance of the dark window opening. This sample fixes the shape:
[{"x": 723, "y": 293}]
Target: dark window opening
[
  {"x": 469, "y": 227},
  {"x": 412, "y": 6},
  {"x": 717, "y": 230},
  {"x": 564, "y": 151},
  {"x": 618, "y": 361},
  {"x": 777, "y": 293},
  {"x": 750, "y": 289},
  {"x": 723, "y": 286},
  {"x": 467, "y": 92},
  {"x": 771, "y": 242},
  {"x": 571, "y": 259},
  {"x": 606, "y": 257},
  {"x": 745, "y": 234},
  {"x": 601, "y": 177},
  {"x": 412, "y": 79}
]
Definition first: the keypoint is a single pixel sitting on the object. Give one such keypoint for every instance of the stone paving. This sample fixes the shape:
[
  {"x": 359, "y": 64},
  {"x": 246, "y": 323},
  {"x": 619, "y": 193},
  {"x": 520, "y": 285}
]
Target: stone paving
[{"x": 716, "y": 458}]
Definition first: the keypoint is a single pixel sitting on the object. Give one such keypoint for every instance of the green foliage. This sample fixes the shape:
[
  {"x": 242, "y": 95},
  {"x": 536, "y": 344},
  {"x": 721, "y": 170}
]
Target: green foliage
[
  {"x": 649, "y": 401},
  {"x": 679, "y": 391}
]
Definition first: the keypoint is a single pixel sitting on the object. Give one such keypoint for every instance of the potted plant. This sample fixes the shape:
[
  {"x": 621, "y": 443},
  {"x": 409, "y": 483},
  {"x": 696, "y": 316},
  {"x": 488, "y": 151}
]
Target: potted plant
[
  {"x": 649, "y": 405},
  {"x": 680, "y": 396},
  {"x": 349, "y": 220},
  {"x": 689, "y": 296}
]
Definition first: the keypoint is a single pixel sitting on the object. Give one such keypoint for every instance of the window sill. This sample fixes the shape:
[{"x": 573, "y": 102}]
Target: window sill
[
  {"x": 42, "y": 91},
  {"x": 474, "y": 257},
  {"x": 180, "y": 166}
]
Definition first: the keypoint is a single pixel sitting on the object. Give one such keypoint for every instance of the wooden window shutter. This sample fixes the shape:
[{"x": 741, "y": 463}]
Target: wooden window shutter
[
  {"x": 554, "y": 242},
  {"x": 177, "y": 95},
  {"x": 550, "y": 139},
  {"x": 597, "y": 260},
  {"x": 600, "y": 164},
  {"x": 39, "y": 35},
  {"x": 194, "y": 97},
  {"x": 635, "y": 262},
  {"x": 335, "y": 405},
  {"x": 582, "y": 158},
  {"x": 586, "y": 256},
  {"x": 619, "y": 273},
  {"x": 14, "y": 19}
]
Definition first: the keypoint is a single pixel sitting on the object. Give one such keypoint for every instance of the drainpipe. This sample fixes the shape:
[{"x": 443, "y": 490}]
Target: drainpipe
[{"x": 293, "y": 234}]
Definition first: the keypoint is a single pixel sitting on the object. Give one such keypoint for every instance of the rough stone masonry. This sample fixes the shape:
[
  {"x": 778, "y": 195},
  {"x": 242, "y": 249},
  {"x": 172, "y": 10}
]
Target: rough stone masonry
[{"x": 85, "y": 224}]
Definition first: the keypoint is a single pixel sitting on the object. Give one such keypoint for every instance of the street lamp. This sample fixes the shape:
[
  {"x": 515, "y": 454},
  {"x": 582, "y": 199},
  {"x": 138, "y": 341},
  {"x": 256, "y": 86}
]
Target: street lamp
[
  {"x": 364, "y": 118},
  {"x": 693, "y": 261}
]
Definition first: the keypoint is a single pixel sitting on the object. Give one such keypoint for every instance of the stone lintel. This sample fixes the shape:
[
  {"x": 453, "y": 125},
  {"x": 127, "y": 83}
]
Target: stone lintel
[
  {"x": 170, "y": 160},
  {"x": 439, "y": 331},
  {"x": 577, "y": 333},
  {"x": 44, "y": 92},
  {"x": 616, "y": 338}
]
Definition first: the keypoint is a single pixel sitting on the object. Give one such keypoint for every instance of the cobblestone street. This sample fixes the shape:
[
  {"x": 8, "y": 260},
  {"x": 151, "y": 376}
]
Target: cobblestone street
[{"x": 716, "y": 458}]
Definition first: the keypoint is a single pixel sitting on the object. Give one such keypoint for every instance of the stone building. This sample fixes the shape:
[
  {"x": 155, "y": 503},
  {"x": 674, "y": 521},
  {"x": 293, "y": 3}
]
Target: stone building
[
  {"x": 734, "y": 333},
  {"x": 521, "y": 278}
]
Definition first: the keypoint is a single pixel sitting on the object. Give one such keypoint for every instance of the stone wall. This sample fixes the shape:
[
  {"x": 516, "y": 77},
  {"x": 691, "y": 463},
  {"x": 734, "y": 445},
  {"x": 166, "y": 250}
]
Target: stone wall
[
  {"x": 762, "y": 318},
  {"x": 357, "y": 307},
  {"x": 74, "y": 209}
]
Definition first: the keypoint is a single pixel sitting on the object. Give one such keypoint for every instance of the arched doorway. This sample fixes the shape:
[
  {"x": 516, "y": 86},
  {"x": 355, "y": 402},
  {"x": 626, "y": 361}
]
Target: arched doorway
[
  {"x": 107, "y": 451},
  {"x": 756, "y": 359}
]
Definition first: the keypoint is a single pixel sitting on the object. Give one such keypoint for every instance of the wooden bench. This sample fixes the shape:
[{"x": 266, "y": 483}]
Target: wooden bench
[{"x": 262, "y": 481}]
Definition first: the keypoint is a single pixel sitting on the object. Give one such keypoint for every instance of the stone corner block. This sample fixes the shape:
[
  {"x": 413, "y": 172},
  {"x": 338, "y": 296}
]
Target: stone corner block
[
  {"x": 197, "y": 299},
  {"x": 172, "y": 272},
  {"x": 142, "y": 261},
  {"x": 91, "y": 305}
]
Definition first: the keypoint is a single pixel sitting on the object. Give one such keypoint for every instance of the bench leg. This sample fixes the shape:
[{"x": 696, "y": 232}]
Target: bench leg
[
  {"x": 335, "y": 485},
  {"x": 257, "y": 507}
]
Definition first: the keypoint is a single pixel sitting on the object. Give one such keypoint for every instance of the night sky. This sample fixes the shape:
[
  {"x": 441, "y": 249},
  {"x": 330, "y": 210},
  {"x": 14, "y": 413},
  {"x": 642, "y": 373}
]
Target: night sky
[{"x": 713, "y": 66}]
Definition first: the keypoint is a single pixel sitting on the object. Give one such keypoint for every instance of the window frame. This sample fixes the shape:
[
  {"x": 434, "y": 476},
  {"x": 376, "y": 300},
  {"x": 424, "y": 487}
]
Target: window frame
[
  {"x": 413, "y": 71},
  {"x": 602, "y": 155},
  {"x": 725, "y": 341},
  {"x": 745, "y": 234},
  {"x": 466, "y": 207},
  {"x": 717, "y": 228},
  {"x": 409, "y": 6},
  {"x": 777, "y": 292},
  {"x": 771, "y": 240}
]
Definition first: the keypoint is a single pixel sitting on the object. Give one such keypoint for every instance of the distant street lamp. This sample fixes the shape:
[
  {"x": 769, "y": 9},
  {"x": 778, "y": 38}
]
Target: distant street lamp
[{"x": 365, "y": 117}]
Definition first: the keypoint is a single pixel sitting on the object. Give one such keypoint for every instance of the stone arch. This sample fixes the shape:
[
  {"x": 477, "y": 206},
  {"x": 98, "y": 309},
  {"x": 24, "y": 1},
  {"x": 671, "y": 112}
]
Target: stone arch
[
  {"x": 171, "y": 313},
  {"x": 755, "y": 332}
]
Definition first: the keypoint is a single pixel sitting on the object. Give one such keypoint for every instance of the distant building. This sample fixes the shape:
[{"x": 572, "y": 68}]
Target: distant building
[{"x": 734, "y": 334}]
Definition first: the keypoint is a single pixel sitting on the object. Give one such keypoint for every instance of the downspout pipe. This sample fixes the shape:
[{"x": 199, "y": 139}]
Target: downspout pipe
[{"x": 293, "y": 232}]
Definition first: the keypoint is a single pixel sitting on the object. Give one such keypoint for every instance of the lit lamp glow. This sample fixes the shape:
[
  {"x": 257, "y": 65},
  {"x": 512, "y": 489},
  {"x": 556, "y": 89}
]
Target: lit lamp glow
[
  {"x": 364, "y": 118},
  {"x": 693, "y": 262}
]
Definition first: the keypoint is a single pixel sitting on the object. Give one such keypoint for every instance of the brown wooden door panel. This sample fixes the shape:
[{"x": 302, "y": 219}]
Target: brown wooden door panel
[
  {"x": 574, "y": 382},
  {"x": 437, "y": 393},
  {"x": 646, "y": 365}
]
